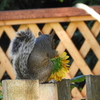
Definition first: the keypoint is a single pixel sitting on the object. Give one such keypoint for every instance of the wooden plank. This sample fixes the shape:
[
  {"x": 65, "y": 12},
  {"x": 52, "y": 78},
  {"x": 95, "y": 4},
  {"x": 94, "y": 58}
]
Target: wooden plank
[
  {"x": 86, "y": 47},
  {"x": 83, "y": 98},
  {"x": 93, "y": 87},
  {"x": 75, "y": 92},
  {"x": 96, "y": 28},
  {"x": 96, "y": 69},
  {"x": 46, "y": 20},
  {"x": 2, "y": 71},
  {"x": 64, "y": 90},
  {"x": 60, "y": 48},
  {"x": 73, "y": 69},
  {"x": 20, "y": 89},
  {"x": 34, "y": 28},
  {"x": 71, "y": 48},
  {"x": 71, "y": 29},
  {"x": 24, "y": 27},
  {"x": 89, "y": 38},
  {"x": 83, "y": 92},
  {"x": 45, "y": 13},
  {"x": 68, "y": 76},
  {"x": 5, "y": 63},
  {"x": 83, "y": 51},
  {"x": 9, "y": 31},
  {"x": 47, "y": 28},
  {"x": 48, "y": 91},
  {"x": 7, "y": 52},
  {"x": 1, "y": 31}
]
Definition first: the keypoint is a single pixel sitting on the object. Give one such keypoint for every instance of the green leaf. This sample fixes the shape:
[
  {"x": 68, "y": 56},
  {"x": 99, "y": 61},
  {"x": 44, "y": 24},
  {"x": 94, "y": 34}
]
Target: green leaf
[
  {"x": 78, "y": 79},
  {"x": 61, "y": 0},
  {"x": 80, "y": 89},
  {"x": 56, "y": 64},
  {"x": 73, "y": 85},
  {"x": 1, "y": 97},
  {"x": 0, "y": 84}
]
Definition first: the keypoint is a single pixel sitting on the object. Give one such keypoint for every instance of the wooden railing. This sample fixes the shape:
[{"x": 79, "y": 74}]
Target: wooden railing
[{"x": 51, "y": 19}]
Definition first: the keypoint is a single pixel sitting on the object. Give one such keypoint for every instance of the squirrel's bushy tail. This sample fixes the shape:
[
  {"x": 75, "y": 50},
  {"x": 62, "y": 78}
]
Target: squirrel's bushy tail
[
  {"x": 23, "y": 35},
  {"x": 26, "y": 34}
]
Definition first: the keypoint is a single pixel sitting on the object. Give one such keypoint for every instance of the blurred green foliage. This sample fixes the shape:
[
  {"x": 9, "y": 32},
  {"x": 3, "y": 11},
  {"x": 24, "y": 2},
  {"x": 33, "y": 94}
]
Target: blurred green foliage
[
  {"x": 88, "y": 2},
  {"x": 1, "y": 96},
  {"x": 30, "y": 4}
]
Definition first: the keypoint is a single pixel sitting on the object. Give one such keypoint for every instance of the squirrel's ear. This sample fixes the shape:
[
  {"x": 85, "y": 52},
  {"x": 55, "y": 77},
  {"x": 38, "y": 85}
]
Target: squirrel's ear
[
  {"x": 28, "y": 31},
  {"x": 52, "y": 34},
  {"x": 39, "y": 33}
]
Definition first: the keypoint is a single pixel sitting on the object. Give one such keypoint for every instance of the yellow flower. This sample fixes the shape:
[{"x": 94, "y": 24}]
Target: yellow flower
[
  {"x": 64, "y": 56},
  {"x": 60, "y": 67}
]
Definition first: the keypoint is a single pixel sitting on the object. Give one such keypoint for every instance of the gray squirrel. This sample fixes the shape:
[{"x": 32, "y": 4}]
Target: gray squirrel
[{"x": 31, "y": 56}]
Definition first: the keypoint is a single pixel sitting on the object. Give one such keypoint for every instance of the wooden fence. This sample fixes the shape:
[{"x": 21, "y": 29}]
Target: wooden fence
[
  {"x": 32, "y": 90},
  {"x": 46, "y": 20}
]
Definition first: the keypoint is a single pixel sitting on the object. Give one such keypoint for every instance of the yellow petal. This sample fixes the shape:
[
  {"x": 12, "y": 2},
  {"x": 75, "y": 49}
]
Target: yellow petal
[
  {"x": 62, "y": 71},
  {"x": 64, "y": 66},
  {"x": 65, "y": 61},
  {"x": 64, "y": 56},
  {"x": 59, "y": 73},
  {"x": 65, "y": 70}
]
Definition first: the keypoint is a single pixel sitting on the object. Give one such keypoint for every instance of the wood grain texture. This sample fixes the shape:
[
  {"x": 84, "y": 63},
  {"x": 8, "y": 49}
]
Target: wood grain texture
[
  {"x": 2, "y": 71},
  {"x": 5, "y": 63},
  {"x": 89, "y": 38},
  {"x": 93, "y": 87},
  {"x": 67, "y": 42},
  {"x": 64, "y": 90},
  {"x": 44, "y": 13},
  {"x": 45, "y": 20},
  {"x": 20, "y": 89}
]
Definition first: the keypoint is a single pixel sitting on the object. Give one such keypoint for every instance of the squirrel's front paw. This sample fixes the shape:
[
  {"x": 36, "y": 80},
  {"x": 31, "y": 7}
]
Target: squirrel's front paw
[{"x": 56, "y": 53}]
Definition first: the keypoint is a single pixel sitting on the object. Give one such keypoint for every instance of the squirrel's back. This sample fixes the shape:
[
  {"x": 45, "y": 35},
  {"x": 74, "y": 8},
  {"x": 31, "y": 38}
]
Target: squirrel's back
[{"x": 31, "y": 56}]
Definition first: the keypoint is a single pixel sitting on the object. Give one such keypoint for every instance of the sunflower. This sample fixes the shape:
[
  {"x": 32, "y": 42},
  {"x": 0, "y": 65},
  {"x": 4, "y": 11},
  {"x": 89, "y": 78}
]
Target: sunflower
[{"x": 60, "y": 67}]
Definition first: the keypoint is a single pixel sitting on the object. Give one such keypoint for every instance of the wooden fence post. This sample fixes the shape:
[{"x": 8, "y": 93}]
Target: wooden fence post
[
  {"x": 93, "y": 87},
  {"x": 64, "y": 90},
  {"x": 20, "y": 89},
  {"x": 32, "y": 90}
]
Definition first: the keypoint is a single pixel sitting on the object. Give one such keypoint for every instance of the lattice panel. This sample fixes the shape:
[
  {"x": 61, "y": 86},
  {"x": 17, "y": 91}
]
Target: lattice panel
[{"x": 65, "y": 43}]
